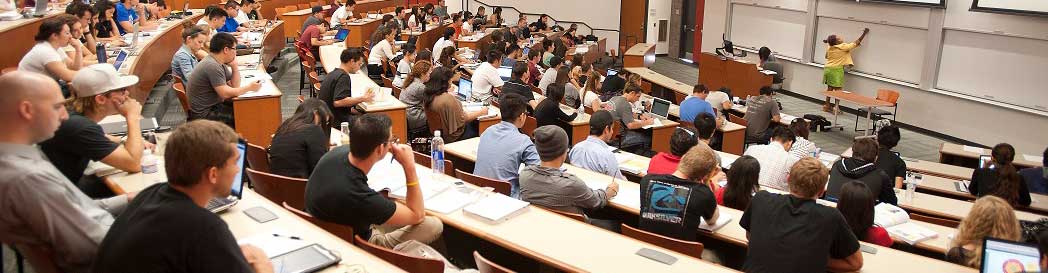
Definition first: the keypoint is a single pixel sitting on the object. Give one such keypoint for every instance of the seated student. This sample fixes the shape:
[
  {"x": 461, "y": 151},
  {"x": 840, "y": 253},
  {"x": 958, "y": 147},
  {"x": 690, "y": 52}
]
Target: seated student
[
  {"x": 444, "y": 41},
  {"x": 719, "y": 99},
  {"x": 42, "y": 208},
  {"x": 301, "y": 140},
  {"x": 1000, "y": 178},
  {"x": 856, "y": 205},
  {"x": 550, "y": 76},
  {"x": 761, "y": 112},
  {"x": 193, "y": 40},
  {"x": 610, "y": 86},
  {"x": 336, "y": 88},
  {"x": 105, "y": 27},
  {"x": 381, "y": 52},
  {"x": 82, "y": 31},
  {"x": 99, "y": 91},
  {"x": 547, "y": 52},
  {"x": 414, "y": 94},
  {"x": 802, "y": 147},
  {"x": 487, "y": 84},
  {"x": 1037, "y": 177},
  {"x": 671, "y": 204},
  {"x": 791, "y": 233},
  {"x": 167, "y": 225},
  {"x": 231, "y": 24},
  {"x": 214, "y": 18},
  {"x": 990, "y": 216},
  {"x": 549, "y": 186},
  {"x": 46, "y": 57},
  {"x": 404, "y": 66},
  {"x": 315, "y": 17},
  {"x": 448, "y": 58},
  {"x": 512, "y": 54},
  {"x": 518, "y": 84},
  {"x": 593, "y": 153},
  {"x": 548, "y": 111},
  {"x": 127, "y": 15},
  {"x": 343, "y": 14},
  {"x": 887, "y": 160},
  {"x": 633, "y": 134},
  {"x": 249, "y": 12},
  {"x": 211, "y": 91},
  {"x": 680, "y": 142},
  {"x": 338, "y": 189},
  {"x": 860, "y": 167},
  {"x": 696, "y": 103},
  {"x": 313, "y": 37},
  {"x": 592, "y": 96},
  {"x": 567, "y": 76},
  {"x": 534, "y": 69},
  {"x": 742, "y": 183},
  {"x": 458, "y": 124},
  {"x": 503, "y": 148},
  {"x": 775, "y": 161}
]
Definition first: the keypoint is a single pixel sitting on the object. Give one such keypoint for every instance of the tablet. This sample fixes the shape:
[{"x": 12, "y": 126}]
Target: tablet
[{"x": 310, "y": 258}]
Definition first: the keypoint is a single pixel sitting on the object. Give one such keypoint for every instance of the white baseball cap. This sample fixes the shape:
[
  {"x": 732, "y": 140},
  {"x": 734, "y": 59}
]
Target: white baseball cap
[{"x": 98, "y": 79}]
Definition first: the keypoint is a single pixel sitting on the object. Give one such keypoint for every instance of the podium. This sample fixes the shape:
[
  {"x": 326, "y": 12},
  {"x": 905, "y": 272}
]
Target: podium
[{"x": 743, "y": 78}]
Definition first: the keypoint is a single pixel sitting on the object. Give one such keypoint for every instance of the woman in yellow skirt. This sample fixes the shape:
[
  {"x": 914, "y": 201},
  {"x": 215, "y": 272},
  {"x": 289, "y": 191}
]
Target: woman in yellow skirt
[{"x": 838, "y": 55}]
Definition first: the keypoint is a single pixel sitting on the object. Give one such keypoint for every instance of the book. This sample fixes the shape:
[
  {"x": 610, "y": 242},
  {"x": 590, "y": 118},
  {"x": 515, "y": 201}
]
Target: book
[
  {"x": 722, "y": 220},
  {"x": 496, "y": 208},
  {"x": 453, "y": 199},
  {"x": 897, "y": 222}
]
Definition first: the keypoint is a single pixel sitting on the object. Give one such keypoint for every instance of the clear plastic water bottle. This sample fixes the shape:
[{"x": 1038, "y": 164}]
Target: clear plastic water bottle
[
  {"x": 149, "y": 162},
  {"x": 436, "y": 153},
  {"x": 345, "y": 133}
]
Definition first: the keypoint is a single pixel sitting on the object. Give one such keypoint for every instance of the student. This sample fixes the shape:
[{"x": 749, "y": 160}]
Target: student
[
  {"x": 42, "y": 207},
  {"x": 856, "y": 205},
  {"x": 216, "y": 81},
  {"x": 633, "y": 134},
  {"x": 46, "y": 57},
  {"x": 543, "y": 23},
  {"x": 343, "y": 14},
  {"x": 249, "y": 11},
  {"x": 547, "y": 53},
  {"x": 193, "y": 40},
  {"x": 592, "y": 96},
  {"x": 550, "y": 76},
  {"x": 705, "y": 127},
  {"x": 503, "y": 148},
  {"x": 456, "y": 24},
  {"x": 458, "y": 124},
  {"x": 860, "y": 167},
  {"x": 444, "y": 41},
  {"x": 231, "y": 24},
  {"x": 742, "y": 183},
  {"x": 549, "y": 186},
  {"x": 680, "y": 142},
  {"x": 480, "y": 18},
  {"x": 571, "y": 91},
  {"x": 512, "y": 54},
  {"x": 486, "y": 81},
  {"x": 518, "y": 84},
  {"x": 1037, "y": 177},
  {"x": 990, "y": 216},
  {"x": 791, "y": 233},
  {"x": 534, "y": 69},
  {"x": 802, "y": 147},
  {"x": 523, "y": 32},
  {"x": 447, "y": 58},
  {"x": 84, "y": 14},
  {"x": 1000, "y": 178},
  {"x": 719, "y": 100},
  {"x": 99, "y": 92},
  {"x": 671, "y": 204},
  {"x": 548, "y": 111},
  {"x": 413, "y": 94},
  {"x": 593, "y": 153},
  {"x": 761, "y": 113},
  {"x": 838, "y": 57},
  {"x": 106, "y": 28},
  {"x": 167, "y": 225},
  {"x": 404, "y": 66},
  {"x": 610, "y": 86},
  {"x": 495, "y": 19},
  {"x": 467, "y": 27},
  {"x": 774, "y": 158},
  {"x": 336, "y": 89},
  {"x": 214, "y": 18},
  {"x": 381, "y": 52},
  {"x": 696, "y": 103},
  {"x": 441, "y": 10},
  {"x": 127, "y": 15},
  {"x": 301, "y": 140},
  {"x": 315, "y": 17},
  {"x": 887, "y": 160}
]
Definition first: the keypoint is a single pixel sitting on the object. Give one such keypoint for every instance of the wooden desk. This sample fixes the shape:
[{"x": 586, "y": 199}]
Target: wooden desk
[
  {"x": 395, "y": 109},
  {"x": 640, "y": 55},
  {"x": 678, "y": 89},
  {"x": 154, "y": 57},
  {"x": 743, "y": 78},
  {"x": 360, "y": 31},
  {"x": 18, "y": 37},
  {"x": 860, "y": 100},
  {"x": 474, "y": 42},
  {"x": 272, "y": 43},
  {"x": 967, "y": 156},
  {"x": 426, "y": 39},
  {"x": 593, "y": 51},
  {"x": 294, "y": 20},
  {"x": 946, "y": 187},
  {"x": 257, "y": 114},
  {"x": 734, "y": 134}
]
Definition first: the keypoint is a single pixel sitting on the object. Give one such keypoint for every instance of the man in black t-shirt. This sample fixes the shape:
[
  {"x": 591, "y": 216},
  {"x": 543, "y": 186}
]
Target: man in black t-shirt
[
  {"x": 338, "y": 190},
  {"x": 518, "y": 85},
  {"x": 336, "y": 90},
  {"x": 671, "y": 205},
  {"x": 166, "y": 227},
  {"x": 792, "y": 233},
  {"x": 887, "y": 160}
]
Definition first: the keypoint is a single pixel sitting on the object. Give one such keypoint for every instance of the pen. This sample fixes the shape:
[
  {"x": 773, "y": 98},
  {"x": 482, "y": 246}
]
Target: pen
[{"x": 289, "y": 237}]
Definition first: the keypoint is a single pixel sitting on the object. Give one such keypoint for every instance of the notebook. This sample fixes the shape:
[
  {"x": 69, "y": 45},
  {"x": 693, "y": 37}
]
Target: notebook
[
  {"x": 496, "y": 208},
  {"x": 898, "y": 224},
  {"x": 722, "y": 220}
]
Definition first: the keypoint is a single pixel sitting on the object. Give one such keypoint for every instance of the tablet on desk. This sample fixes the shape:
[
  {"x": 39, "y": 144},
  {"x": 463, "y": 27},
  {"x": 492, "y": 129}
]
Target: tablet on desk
[{"x": 1009, "y": 256}]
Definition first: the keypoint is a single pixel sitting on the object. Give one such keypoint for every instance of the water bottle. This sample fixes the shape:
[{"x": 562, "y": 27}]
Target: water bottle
[
  {"x": 149, "y": 162},
  {"x": 436, "y": 153},
  {"x": 815, "y": 153},
  {"x": 345, "y": 133}
]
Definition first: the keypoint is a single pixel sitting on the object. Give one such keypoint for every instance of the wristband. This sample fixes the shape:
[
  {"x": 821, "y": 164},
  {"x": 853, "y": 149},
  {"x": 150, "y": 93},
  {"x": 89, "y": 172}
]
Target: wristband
[{"x": 412, "y": 184}]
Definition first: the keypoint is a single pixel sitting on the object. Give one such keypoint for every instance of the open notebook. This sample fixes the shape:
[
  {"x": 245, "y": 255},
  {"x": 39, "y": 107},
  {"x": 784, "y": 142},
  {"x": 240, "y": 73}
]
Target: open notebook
[
  {"x": 496, "y": 208},
  {"x": 898, "y": 224},
  {"x": 722, "y": 220}
]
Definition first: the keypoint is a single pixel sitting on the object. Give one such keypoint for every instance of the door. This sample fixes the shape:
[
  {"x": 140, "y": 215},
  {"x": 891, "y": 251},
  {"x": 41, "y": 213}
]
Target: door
[
  {"x": 632, "y": 22},
  {"x": 688, "y": 29}
]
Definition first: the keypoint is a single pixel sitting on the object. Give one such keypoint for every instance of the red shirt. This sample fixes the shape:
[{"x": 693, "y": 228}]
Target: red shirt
[
  {"x": 878, "y": 235},
  {"x": 311, "y": 32},
  {"x": 663, "y": 163},
  {"x": 719, "y": 194}
]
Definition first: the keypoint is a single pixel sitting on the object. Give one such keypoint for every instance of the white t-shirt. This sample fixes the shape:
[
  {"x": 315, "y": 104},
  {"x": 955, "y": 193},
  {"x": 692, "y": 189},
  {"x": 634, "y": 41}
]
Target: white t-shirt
[
  {"x": 547, "y": 78},
  {"x": 484, "y": 78},
  {"x": 241, "y": 17},
  {"x": 717, "y": 99},
  {"x": 466, "y": 27},
  {"x": 439, "y": 46},
  {"x": 341, "y": 15},
  {"x": 403, "y": 69},
  {"x": 589, "y": 98},
  {"x": 202, "y": 21},
  {"x": 39, "y": 56},
  {"x": 381, "y": 50}
]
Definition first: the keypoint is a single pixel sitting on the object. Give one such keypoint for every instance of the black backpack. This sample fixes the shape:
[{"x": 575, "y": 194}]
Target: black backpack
[{"x": 818, "y": 123}]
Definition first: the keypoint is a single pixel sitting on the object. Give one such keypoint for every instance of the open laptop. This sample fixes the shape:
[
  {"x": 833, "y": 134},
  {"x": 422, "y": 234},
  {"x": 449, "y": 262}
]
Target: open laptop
[
  {"x": 1008, "y": 256},
  {"x": 465, "y": 89},
  {"x": 341, "y": 35},
  {"x": 120, "y": 57},
  {"x": 660, "y": 108},
  {"x": 505, "y": 72},
  {"x": 134, "y": 36},
  {"x": 612, "y": 72},
  {"x": 217, "y": 205}
]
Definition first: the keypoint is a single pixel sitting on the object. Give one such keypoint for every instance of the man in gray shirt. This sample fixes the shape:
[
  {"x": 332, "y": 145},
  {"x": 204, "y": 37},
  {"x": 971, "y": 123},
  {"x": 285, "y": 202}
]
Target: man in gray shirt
[
  {"x": 546, "y": 185},
  {"x": 211, "y": 91},
  {"x": 761, "y": 111},
  {"x": 315, "y": 17},
  {"x": 634, "y": 138},
  {"x": 39, "y": 208}
]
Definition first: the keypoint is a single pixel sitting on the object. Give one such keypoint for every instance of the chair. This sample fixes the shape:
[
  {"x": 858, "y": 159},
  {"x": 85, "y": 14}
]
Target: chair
[
  {"x": 693, "y": 249},
  {"x": 403, "y": 261},
  {"x": 886, "y": 95},
  {"x": 530, "y": 124},
  {"x": 935, "y": 220},
  {"x": 424, "y": 160},
  {"x": 180, "y": 91},
  {"x": 41, "y": 258},
  {"x": 257, "y": 157},
  {"x": 315, "y": 80},
  {"x": 737, "y": 119},
  {"x": 343, "y": 232},
  {"x": 303, "y": 6},
  {"x": 486, "y": 266},
  {"x": 278, "y": 188},
  {"x": 436, "y": 122},
  {"x": 502, "y": 187},
  {"x": 573, "y": 216}
]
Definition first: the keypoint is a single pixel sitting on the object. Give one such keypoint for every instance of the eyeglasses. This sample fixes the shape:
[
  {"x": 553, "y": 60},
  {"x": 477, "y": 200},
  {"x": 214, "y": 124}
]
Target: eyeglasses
[{"x": 394, "y": 140}]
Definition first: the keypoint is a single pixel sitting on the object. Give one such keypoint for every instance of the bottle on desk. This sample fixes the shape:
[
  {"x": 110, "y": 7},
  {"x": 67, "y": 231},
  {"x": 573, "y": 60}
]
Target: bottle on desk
[
  {"x": 149, "y": 162},
  {"x": 436, "y": 154},
  {"x": 345, "y": 133}
]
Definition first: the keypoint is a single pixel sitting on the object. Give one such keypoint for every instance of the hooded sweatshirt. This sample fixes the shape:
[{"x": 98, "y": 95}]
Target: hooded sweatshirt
[{"x": 854, "y": 169}]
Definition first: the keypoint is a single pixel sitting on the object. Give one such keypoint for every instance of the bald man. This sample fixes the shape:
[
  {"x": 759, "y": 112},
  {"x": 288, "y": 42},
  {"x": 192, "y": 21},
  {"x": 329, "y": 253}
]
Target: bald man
[{"x": 39, "y": 207}]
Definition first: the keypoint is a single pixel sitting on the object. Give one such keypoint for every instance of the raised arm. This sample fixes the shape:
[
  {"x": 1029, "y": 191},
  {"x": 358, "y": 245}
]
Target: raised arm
[
  {"x": 863, "y": 36},
  {"x": 414, "y": 210}
]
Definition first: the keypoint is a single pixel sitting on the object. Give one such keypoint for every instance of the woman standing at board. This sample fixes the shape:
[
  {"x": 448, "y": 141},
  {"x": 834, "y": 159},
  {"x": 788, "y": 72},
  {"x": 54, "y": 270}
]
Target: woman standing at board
[{"x": 838, "y": 55}]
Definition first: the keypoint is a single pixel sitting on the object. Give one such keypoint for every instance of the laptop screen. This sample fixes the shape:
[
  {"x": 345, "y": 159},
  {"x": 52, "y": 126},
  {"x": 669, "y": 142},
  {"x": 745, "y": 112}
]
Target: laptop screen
[
  {"x": 505, "y": 72},
  {"x": 984, "y": 161},
  {"x": 341, "y": 35},
  {"x": 660, "y": 107},
  {"x": 465, "y": 89},
  {"x": 1009, "y": 256},
  {"x": 120, "y": 59},
  {"x": 238, "y": 180},
  {"x": 612, "y": 72}
]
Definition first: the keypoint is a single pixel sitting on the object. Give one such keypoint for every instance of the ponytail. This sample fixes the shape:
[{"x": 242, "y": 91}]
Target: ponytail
[{"x": 1008, "y": 178}]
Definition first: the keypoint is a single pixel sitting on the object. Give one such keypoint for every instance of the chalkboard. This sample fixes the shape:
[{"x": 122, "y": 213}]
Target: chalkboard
[
  {"x": 888, "y": 51},
  {"x": 999, "y": 68},
  {"x": 779, "y": 29}
]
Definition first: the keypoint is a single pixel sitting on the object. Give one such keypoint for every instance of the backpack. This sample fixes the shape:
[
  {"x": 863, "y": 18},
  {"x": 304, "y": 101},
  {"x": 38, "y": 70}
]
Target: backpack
[{"x": 818, "y": 123}]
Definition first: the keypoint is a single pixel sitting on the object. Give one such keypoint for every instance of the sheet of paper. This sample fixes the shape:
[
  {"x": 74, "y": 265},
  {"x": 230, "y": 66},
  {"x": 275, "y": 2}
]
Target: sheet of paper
[
  {"x": 274, "y": 242},
  {"x": 496, "y": 207},
  {"x": 971, "y": 149},
  {"x": 629, "y": 197},
  {"x": 1033, "y": 158},
  {"x": 657, "y": 123},
  {"x": 453, "y": 199}
]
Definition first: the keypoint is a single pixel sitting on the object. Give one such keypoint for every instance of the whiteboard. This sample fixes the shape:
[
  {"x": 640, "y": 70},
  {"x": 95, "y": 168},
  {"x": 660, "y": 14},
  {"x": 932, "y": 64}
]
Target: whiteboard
[
  {"x": 1000, "y": 68},
  {"x": 888, "y": 51},
  {"x": 778, "y": 29},
  {"x": 930, "y": 3},
  {"x": 785, "y": 4},
  {"x": 1036, "y": 7},
  {"x": 898, "y": 15}
]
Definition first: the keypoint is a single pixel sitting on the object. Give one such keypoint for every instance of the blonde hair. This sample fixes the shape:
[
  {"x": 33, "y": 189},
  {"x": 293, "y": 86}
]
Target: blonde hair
[
  {"x": 807, "y": 177},
  {"x": 698, "y": 163},
  {"x": 83, "y": 105},
  {"x": 991, "y": 216}
]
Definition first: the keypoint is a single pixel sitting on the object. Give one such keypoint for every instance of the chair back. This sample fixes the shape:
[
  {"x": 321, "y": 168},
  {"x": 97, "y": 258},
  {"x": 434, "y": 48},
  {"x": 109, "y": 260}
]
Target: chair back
[
  {"x": 486, "y": 266},
  {"x": 737, "y": 119},
  {"x": 278, "y": 188},
  {"x": 693, "y": 249},
  {"x": 257, "y": 157},
  {"x": 679, "y": 97},
  {"x": 888, "y": 95},
  {"x": 435, "y": 121},
  {"x": 530, "y": 124},
  {"x": 42, "y": 258},
  {"x": 424, "y": 160},
  {"x": 280, "y": 13},
  {"x": 502, "y": 187},
  {"x": 403, "y": 261},
  {"x": 343, "y": 232},
  {"x": 303, "y": 6},
  {"x": 935, "y": 220},
  {"x": 573, "y": 216},
  {"x": 180, "y": 92}
]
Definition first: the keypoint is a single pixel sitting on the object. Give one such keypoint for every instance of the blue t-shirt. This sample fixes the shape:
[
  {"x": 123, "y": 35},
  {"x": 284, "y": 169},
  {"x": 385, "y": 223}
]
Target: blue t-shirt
[
  {"x": 692, "y": 106},
  {"x": 230, "y": 26},
  {"x": 124, "y": 14}
]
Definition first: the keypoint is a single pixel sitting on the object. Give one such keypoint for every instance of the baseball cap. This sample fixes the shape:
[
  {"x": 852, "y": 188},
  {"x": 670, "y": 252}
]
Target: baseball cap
[{"x": 98, "y": 79}]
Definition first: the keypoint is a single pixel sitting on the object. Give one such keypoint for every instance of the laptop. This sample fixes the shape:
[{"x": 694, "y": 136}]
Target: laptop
[
  {"x": 341, "y": 35},
  {"x": 134, "y": 35},
  {"x": 612, "y": 72},
  {"x": 526, "y": 50},
  {"x": 120, "y": 57},
  {"x": 660, "y": 108},
  {"x": 505, "y": 72},
  {"x": 985, "y": 161},
  {"x": 217, "y": 205},
  {"x": 465, "y": 89},
  {"x": 1008, "y": 256},
  {"x": 119, "y": 127}
]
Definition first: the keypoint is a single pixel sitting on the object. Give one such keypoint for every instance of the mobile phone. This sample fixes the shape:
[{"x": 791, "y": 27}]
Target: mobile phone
[
  {"x": 868, "y": 249},
  {"x": 656, "y": 255}
]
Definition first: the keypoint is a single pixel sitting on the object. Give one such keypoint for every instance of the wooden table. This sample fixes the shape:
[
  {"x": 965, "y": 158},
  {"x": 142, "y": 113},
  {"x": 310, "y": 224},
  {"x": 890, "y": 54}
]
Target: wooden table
[
  {"x": 733, "y": 134},
  {"x": 360, "y": 31},
  {"x": 389, "y": 106},
  {"x": 860, "y": 100},
  {"x": 946, "y": 187},
  {"x": 593, "y": 50},
  {"x": 18, "y": 37},
  {"x": 676, "y": 90},
  {"x": 474, "y": 42},
  {"x": 743, "y": 78},
  {"x": 640, "y": 55},
  {"x": 257, "y": 114},
  {"x": 426, "y": 39},
  {"x": 273, "y": 42},
  {"x": 967, "y": 156},
  {"x": 154, "y": 56}
]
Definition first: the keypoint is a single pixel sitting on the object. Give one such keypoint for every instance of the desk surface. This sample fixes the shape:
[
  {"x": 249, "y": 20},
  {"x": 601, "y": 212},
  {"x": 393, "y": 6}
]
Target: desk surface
[
  {"x": 1023, "y": 160},
  {"x": 639, "y": 49},
  {"x": 662, "y": 80},
  {"x": 857, "y": 98}
]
